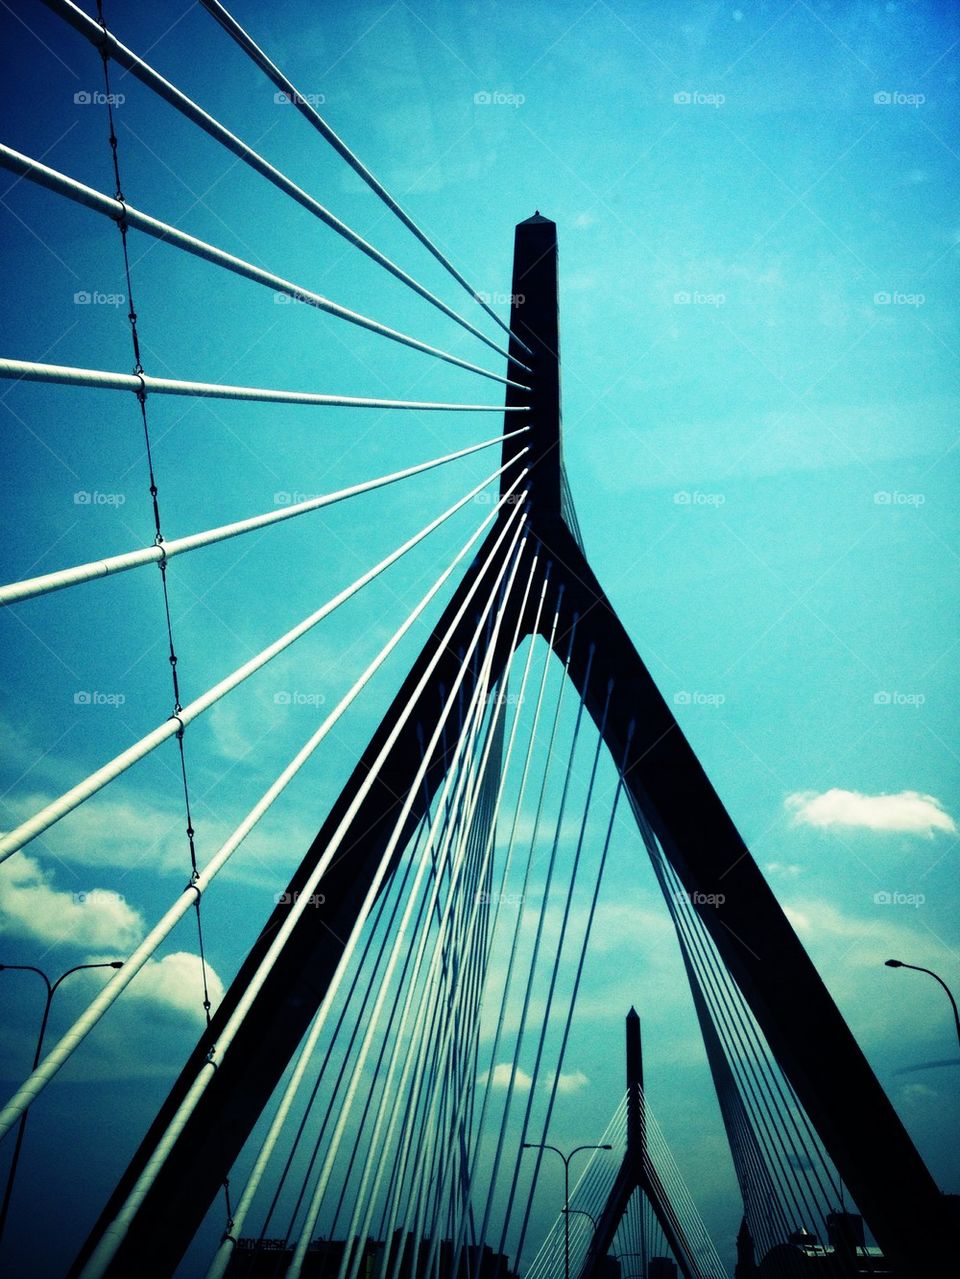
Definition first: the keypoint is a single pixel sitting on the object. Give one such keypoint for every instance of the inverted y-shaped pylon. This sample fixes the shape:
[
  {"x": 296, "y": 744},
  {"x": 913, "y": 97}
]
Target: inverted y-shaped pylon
[{"x": 665, "y": 781}]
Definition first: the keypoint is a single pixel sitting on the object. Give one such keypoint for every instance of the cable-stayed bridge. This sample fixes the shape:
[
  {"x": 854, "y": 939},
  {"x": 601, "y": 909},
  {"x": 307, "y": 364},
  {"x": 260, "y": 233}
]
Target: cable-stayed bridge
[{"x": 435, "y": 929}]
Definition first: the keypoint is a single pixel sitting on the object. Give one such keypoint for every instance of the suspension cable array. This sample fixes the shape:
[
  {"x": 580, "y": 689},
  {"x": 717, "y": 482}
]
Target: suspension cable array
[{"x": 790, "y": 1188}]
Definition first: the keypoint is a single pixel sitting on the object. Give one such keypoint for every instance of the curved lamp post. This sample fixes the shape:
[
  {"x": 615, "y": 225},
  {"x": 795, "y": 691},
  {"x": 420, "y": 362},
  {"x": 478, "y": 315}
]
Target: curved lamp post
[
  {"x": 51, "y": 991},
  {"x": 898, "y": 963},
  {"x": 583, "y": 1213},
  {"x": 536, "y": 1145}
]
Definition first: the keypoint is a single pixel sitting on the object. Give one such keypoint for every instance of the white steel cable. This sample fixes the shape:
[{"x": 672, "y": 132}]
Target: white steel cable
[
  {"x": 681, "y": 1189},
  {"x": 221, "y": 1259},
  {"x": 505, "y": 990},
  {"x": 116, "y": 1231},
  {"x": 33, "y": 1085},
  {"x": 584, "y": 940},
  {"x": 238, "y": 1216},
  {"x": 118, "y": 210},
  {"x": 108, "y": 43},
  {"x": 46, "y": 582},
  {"x": 355, "y": 1229},
  {"x": 538, "y": 934},
  {"x": 249, "y": 46},
  {"x": 559, "y": 945},
  {"x": 440, "y": 818},
  {"x": 418, "y": 1034},
  {"x": 400, "y": 939},
  {"x": 508, "y": 862},
  {"x": 448, "y": 1026},
  {"x": 144, "y": 383},
  {"x": 72, "y": 798}
]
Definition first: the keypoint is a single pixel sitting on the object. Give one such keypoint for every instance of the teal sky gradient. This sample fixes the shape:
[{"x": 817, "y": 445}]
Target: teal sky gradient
[{"x": 759, "y": 343}]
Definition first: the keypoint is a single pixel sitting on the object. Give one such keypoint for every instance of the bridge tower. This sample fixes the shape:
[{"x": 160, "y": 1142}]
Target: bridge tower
[{"x": 665, "y": 782}]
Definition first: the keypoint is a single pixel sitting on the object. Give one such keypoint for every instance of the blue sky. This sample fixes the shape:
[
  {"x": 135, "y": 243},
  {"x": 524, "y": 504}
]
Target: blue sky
[{"x": 756, "y": 207}]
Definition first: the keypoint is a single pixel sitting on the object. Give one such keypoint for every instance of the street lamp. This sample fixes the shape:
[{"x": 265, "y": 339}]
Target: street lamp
[
  {"x": 897, "y": 963},
  {"x": 537, "y": 1145},
  {"x": 581, "y": 1212},
  {"x": 51, "y": 991}
]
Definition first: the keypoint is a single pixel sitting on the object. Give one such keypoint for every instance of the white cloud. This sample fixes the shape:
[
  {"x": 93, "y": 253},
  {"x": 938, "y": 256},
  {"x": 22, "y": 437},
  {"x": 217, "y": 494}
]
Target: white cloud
[
  {"x": 569, "y": 1083},
  {"x": 94, "y": 918},
  {"x": 787, "y": 869},
  {"x": 501, "y": 1077},
  {"x": 114, "y": 831},
  {"x": 913, "y": 1093},
  {"x": 907, "y": 812},
  {"x": 175, "y": 982}
]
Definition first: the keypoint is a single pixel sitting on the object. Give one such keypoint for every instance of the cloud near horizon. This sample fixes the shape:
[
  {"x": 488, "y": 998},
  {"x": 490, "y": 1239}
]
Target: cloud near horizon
[
  {"x": 908, "y": 812},
  {"x": 31, "y": 906}
]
